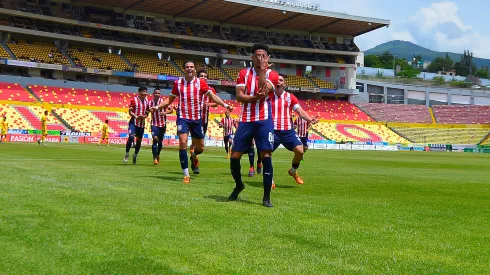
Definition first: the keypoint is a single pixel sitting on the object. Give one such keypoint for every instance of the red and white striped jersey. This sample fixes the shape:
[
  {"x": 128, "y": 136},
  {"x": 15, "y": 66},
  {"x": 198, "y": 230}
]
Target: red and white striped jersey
[
  {"x": 259, "y": 110},
  {"x": 301, "y": 127},
  {"x": 228, "y": 124},
  {"x": 190, "y": 96},
  {"x": 282, "y": 110},
  {"x": 205, "y": 108},
  {"x": 158, "y": 117},
  {"x": 139, "y": 108}
]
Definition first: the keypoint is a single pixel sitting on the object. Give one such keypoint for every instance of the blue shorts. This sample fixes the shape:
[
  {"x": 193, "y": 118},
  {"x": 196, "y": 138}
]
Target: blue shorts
[
  {"x": 184, "y": 126},
  {"x": 261, "y": 131},
  {"x": 158, "y": 132},
  {"x": 304, "y": 140},
  {"x": 288, "y": 138},
  {"x": 135, "y": 130},
  {"x": 228, "y": 138}
]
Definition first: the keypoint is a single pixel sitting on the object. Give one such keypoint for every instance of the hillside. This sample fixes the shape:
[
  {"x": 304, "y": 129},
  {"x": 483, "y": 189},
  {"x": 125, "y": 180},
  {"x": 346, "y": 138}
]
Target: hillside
[{"x": 405, "y": 49}]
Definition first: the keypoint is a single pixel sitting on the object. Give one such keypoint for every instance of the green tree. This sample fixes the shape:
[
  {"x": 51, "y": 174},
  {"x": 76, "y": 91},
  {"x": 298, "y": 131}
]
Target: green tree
[
  {"x": 441, "y": 64},
  {"x": 409, "y": 72},
  {"x": 372, "y": 61},
  {"x": 465, "y": 66},
  {"x": 482, "y": 73}
]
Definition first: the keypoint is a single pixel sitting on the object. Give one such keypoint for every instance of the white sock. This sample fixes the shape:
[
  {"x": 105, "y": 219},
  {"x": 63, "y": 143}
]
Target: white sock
[{"x": 186, "y": 172}]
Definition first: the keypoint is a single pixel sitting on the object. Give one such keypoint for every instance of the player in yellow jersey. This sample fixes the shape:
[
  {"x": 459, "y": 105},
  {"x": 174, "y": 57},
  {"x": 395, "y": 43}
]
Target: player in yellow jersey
[
  {"x": 105, "y": 133},
  {"x": 4, "y": 128},
  {"x": 44, "y": 128}
]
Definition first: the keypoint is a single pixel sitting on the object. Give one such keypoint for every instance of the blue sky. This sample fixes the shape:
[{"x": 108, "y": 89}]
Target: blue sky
[{"x": 438, "y": 25}]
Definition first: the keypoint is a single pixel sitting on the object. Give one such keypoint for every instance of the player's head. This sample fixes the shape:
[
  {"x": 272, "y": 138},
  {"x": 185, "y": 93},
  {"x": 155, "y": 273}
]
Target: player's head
[
  {"x": 107, "y": 121},
  {"x": 227, "y": 113},
  {"x": 142, "y": 91},
  {"x": 156, "y": 93},
  {"x": 4, "y": 118},
  {"x": 46, "y": 113},
  {"x": 189, "y": 68},
  {"x": 202, "y": 74},
  {"x": 280, "y": 83},
  {"x": 259, "y": 50}
]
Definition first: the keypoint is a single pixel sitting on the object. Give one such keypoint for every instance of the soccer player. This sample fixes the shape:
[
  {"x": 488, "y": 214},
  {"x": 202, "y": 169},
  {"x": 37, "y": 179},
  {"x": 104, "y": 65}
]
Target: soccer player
[
  {"x": 206, "y": 102},
  {"x": 190, "y": 89},
  {"x": 44, "y": 129},
  {"x": 252, "y": 90},
  {"x": 158, "y": 124},
  {"x": 105, "y": 133},
  {"x": 302, "y": 127},
  {"x": 138, "y": 111},
  {"x": 227, "y": 123},
  {"x": 283, "y": 105},
  {"x": 251, "y": 158},
  {"x": 4, "y": 129}
]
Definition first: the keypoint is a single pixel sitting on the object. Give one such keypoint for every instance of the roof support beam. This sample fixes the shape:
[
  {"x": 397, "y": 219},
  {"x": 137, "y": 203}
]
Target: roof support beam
[
  {"x": 237, "y": 14},
  {"x": 284, "y": 20},
  {"x": 327, "y": 25},
  {"x": 190, "y": 8}
]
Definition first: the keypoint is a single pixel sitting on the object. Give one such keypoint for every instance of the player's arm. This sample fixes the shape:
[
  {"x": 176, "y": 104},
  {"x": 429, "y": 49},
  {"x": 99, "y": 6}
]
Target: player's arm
[
  {"x": 169, "y": 111},
  {"x": 304, "y": 115},
  {"x": 221, "y": 123},
  {"x": 244, "y": 98},
  {"x": 266, "y": 84},
  {"x": 166, "y": 102},
  {"x": 218, "y": 100}
]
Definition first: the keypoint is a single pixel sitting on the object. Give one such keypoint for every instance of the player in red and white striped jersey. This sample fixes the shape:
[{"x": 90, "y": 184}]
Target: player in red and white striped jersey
[
  {"x": 190, "y": 90},
  {"x": 158, "y": 124},
  {"x": 252, "y": 89},
  {"x": 283, "y": 106},
  {"x": 138, "y": 110},
  {"x": 227, "y": 123},
  {"x": 206, "y": 103},
  {"x": 302, "y": 128}
]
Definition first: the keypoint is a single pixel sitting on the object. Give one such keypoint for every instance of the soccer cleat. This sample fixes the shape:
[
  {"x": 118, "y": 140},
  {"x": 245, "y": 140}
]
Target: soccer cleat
[
  {"x": 267, "y": 202},
  {"x": 235, "y": 193},
  {"x": 296, "y": 177},
  {"x": 158, "y": 158},
  {"x": 39, "y": 141},
  {"x": 227, "y": 156},
  {"x": 195, "y": 165},
  {"x": 186, "y": 180},
  {"x": 273, "y": 185},
  {"x": 155, "y": 161},
  {"x": 98, "y": 144},
  {"x": 125, "y": 160},
  {"x": 251, "y": 172},
  {"x": 259, "y": 168},
  {"x": 134, "y": 158}
]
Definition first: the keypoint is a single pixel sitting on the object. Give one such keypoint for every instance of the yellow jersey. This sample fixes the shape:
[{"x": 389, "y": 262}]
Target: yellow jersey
[
  {"x": 5, "y": 127},
  {"x": 43, "y": 122},
  {"x": 105, "y": 129}
]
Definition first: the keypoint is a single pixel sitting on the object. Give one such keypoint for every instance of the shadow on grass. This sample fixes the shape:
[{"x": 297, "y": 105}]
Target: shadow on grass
[
  {"x": 169, "y": 178},
  {"x": 259, "y": 184},
  {"x": 218, "y": 198}
]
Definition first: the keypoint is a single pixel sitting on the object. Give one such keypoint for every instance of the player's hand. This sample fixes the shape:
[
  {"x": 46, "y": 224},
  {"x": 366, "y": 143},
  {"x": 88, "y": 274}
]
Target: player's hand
[
  {"x": 229, "y": 107},
  {"x": 154, "y": 108},
  {"x": 264, "y": 62},
  {"x": 140, "y": 117},
  {"x": 261, "y": 93}
]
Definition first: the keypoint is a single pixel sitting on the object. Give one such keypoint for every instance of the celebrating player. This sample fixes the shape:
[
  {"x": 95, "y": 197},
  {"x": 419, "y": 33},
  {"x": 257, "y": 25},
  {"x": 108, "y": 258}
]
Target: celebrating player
[
  {"x": 206, "y": 103},
  {"x": 138, "y": 110},
  {"x": 302, "y": 127},
  {"x": 44, "y": 129},
  {"x": 4, "y": 129},
  {"x": 105, "y": 133},
  {"x": 253, "y": 87},
  {"x": 283, "y": 104},
  {"x": 190, "y": 89},
  {"x": 227, "y": 123},
  {"x": 158, "y": 125}
]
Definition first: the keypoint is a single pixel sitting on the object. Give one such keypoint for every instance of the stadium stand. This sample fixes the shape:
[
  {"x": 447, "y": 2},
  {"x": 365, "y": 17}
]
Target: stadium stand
[
  {"x": 334, "y": 110},
  {"x": 358, "y": 132},
  {"x": 232, "y": 72},
  {"x": 397, "y": 112},
  {"x": 15, "y": 92},
  {"x": 299, "y": 81},
  {"x": 37, "y": 52},
  {"x": 459, "y": 114},
  {"x": 442, "y": 135},
  {"x": 213, "y": 72},
  {"x": 4, "y": 53},
  {"x": 93, "y": 58},
  {"x": 151, "y": 64},
  {"x": 14, "y": 117},
  {"x": 322, "y": 83},
  {"x": 80, "y": 119}
]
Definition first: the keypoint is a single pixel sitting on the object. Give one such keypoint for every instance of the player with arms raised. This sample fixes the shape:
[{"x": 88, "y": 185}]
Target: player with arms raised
[
  {"x": 190, "y": 89},
  {"x": 252, "y": 90},
  {"x": 283, "y": 106},
  {"x": 158, "y": 124},
  {"x": 138, "y": 110}
]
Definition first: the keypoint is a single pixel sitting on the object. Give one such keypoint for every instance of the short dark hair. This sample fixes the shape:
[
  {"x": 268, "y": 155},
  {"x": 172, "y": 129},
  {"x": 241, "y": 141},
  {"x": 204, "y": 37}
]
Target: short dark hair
[
  {"x": 156, "y": 88},
  {"x": 106, "y": 121},
  {"x": 140, "y": 89},
  {"x": 46, "y": 111},
  {"x": 260, "y": 46},
  {"x": 187, "y": 61},
  {"x": 202, "y": 71},
  {"x": 4, "y": 117}
]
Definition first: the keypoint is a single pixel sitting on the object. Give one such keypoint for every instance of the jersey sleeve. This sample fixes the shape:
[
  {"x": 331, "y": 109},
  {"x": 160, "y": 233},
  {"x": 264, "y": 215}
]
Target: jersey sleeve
[
  {"x": 132, "y": 104},
  {"x": 210, "y": 100},
  {"x": 175, "y": 89},
  {"x": 204, "y": 87},
  {"x": 240, "y": 82},
  {"x": 273, "y": 79},
  {"x": 295, "y": 103}
]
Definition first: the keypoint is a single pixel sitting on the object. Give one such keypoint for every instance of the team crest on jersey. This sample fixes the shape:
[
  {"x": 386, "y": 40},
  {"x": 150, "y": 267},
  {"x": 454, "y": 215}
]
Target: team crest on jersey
[{"x": 288, "y": 100}]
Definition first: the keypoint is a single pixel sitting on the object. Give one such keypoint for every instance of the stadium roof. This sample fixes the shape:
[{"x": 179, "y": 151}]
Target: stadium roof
[{"x": 259, "y": 13}]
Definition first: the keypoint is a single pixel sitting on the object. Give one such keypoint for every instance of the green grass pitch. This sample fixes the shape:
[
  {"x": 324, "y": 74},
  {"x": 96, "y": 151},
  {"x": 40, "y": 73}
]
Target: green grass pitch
[{"x": 76, "y": 209}]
